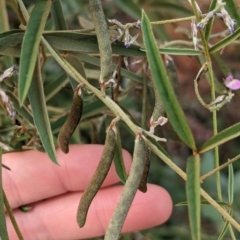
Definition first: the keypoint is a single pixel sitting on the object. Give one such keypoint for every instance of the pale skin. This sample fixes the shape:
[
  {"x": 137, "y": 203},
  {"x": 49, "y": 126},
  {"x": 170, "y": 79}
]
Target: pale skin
[{"x": 53, "y": 192}]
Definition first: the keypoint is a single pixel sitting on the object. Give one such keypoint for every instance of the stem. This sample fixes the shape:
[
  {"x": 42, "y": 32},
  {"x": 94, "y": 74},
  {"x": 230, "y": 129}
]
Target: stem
[
  {"x": 11, "y": 216},
  {"x": 174, "y": 20},
  {"x": 219, "y": 168},
  {"x": 214, "y": 112}
]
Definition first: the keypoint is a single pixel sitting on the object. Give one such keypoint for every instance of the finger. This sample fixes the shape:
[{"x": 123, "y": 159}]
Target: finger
[
  {"x": 56, "y": 218},
  {"x": 34, "y": 177}
]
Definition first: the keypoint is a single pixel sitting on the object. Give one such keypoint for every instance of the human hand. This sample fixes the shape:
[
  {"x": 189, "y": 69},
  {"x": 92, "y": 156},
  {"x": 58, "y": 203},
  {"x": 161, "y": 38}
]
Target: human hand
[{"x": 54, "y": 192}]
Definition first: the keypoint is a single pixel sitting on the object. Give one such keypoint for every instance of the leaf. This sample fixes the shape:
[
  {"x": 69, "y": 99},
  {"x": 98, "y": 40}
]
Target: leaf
[
  {"x": 164, "y": 87},
  {"x": 82, "y": 42},
  {"x": 224, "y": 230},
  {"x": 30, "y": 46},
  {"x": 224, "y": 42},
  {"x": 58, "y": 17},
  {"x": 69, "y": 41},
  {"x": 40, "y": 115},
  {"x": 222, "y": 137},
  {"x": 118, "y": 159},
  {"x": 193, "y": 195},
  {"x": 11, "y": 39},
  {"x": 3, "y": 226}
]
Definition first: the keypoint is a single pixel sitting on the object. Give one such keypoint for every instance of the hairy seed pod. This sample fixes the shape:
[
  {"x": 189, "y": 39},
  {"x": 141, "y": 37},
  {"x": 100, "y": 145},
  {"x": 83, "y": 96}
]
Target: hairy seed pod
[
  {"x": 98, "y": 177},
  {"x": 140, "y": 155},
  {"x": 143, "y": 182},
  {"x": 104, "y": 43},
  {"x": 71, "y": 123}
]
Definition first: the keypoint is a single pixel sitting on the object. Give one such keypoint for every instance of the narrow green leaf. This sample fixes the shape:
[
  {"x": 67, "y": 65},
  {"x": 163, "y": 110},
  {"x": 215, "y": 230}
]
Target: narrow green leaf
[
  {"x": 230, "y": 183},
  {"x": 11, "y": 39},
  {"x": 164, "y": 86},
  {"x": 3, "y": 226},
  {"x": 224, "y": 230},
  {"x": 193, "y": 195},
  {"x": 222, "y": 137},
  {"x": 179, "y": 51},
  {"x": 40, "y": 115},
  {"x": 30, "y": 46},
  {"x": 69, "y": 41},
  {"x": 58, "y": 17},
  {"x": 118, "y": 159},
  {"x": 83, "y": 42},
  {"x": 224, "y": 42}
]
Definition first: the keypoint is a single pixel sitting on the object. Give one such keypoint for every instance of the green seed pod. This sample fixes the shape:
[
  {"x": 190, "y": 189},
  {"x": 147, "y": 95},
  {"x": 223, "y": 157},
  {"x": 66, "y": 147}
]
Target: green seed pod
[
  {"x": 71, "y": 123},
  {"x": 98, "y": 177},
  {"x": 139, "y": 161},
  {"x": 143, "y": 182}
]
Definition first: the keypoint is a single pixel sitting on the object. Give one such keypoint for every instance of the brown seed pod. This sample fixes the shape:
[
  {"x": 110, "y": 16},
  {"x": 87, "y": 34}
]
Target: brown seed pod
[
  {"x": 98, "y": 177},
  {"x": 139, "y": 160},
  {"x": 71, "y": 123}
]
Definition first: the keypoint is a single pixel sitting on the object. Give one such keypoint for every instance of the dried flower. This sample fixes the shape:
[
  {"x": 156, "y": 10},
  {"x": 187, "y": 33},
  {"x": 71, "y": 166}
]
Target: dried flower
[
  {"x": 7, "y": 104},
  {"x": 231, "y": 83},
  {"x": 205, "y": 20},
  {"x": 230, "y": 23},
  {"x": 8, "y": 72}
]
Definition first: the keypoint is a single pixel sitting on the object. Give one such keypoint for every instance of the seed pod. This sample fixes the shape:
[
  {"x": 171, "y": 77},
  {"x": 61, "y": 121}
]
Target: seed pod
[
  {"x": 143, "y": 182},
  {"x": 98, "y": 177},
  {"x": 71, "y": 123},
  {"x": 104, "y": 43},
  {"x": 139, "y": 160}
]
